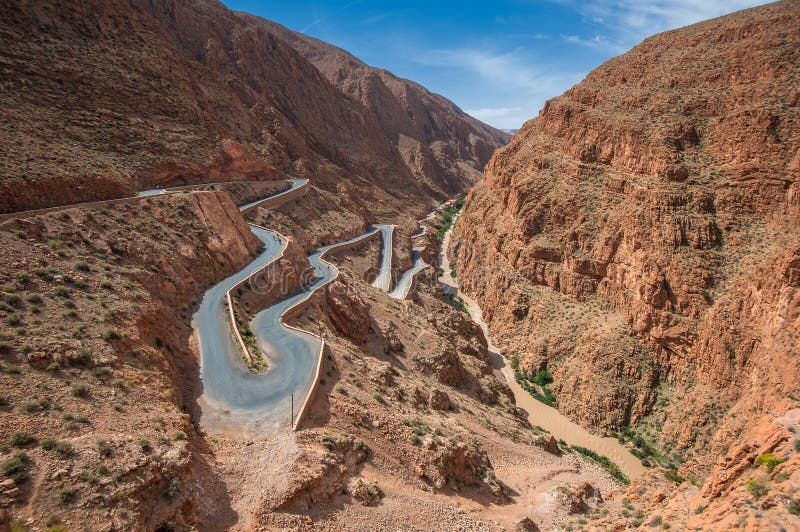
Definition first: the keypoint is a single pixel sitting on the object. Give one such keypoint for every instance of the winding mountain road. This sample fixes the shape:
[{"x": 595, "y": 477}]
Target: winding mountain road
[
  {"x": 406, "y": 280},
  {"x": 383, "y": 281},
  {"x": 231, "y": 394}
]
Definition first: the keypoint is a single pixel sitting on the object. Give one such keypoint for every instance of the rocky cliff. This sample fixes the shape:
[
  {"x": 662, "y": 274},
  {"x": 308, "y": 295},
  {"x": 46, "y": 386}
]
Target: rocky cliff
[
  {"x": 440, "y": 144},
  {"x": 639, "y": 239},
  {"x": 110, "y": 97}
]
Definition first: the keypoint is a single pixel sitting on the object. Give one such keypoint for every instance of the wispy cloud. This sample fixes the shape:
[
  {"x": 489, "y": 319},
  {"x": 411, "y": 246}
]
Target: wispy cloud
[
  {"x": 598, "y": 42},
  {"x": 512, "y": 69},
  {"x": 629, "y": 21},
  {"x": 515, "y": 73},
  {"x": 493, "y": 113},
  {"x": 319, "y": 19}
]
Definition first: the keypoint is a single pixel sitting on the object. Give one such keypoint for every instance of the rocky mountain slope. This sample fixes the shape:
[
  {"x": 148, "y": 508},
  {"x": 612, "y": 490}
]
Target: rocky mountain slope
[
  {"x": 439, "y": 142},
  {"x": 639, "y": 240},
  {"x": 104, "y": 98}
]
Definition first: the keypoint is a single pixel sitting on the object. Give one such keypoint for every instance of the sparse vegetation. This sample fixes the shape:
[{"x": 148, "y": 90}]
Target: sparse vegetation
[
  {"x": 16, "y": 467},
  {"x": 79, "y": 390},
  {"x": 60, "y": 447},
  {"x": 769, "y": 461},
  {"x": 105, "y": 448},
  {"x": 20, "y": 439},
  {"x": 756, "y": 489},
  {"x": 67, "y": 495},
  {"x": 607, "y": 464}
]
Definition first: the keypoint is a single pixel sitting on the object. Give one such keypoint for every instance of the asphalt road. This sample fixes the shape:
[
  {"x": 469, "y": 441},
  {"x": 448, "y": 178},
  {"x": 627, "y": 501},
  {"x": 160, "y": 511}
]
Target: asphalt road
[
  {"x": 406, "y": 280},
  {"x": 383, "y": 281},
  {"x": 230, "y": 392}
]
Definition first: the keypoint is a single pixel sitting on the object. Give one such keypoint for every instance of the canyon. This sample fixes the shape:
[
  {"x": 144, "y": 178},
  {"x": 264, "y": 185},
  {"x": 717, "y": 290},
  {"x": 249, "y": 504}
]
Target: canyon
[
  {"x": 639, "y": 241},
  {"x": 223, "y": 306}
]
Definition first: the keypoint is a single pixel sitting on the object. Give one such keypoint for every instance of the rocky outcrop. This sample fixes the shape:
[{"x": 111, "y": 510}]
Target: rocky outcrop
[
  {"x": 347, "y": 311},
  {"x": 458, "y": 465},
  {"x": 127, "y": 277},
  {"x": 639, "y": 238}
]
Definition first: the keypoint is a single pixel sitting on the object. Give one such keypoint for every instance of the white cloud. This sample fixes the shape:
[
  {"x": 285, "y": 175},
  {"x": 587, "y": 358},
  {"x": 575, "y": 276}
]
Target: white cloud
[
  {"x": 597, "y": 42},
  {"x": 486, "y": 114},
  {"x": 632, "y": 20},
  {"x": 509, "y": 69},
  {"x": 527, "y": 82}
]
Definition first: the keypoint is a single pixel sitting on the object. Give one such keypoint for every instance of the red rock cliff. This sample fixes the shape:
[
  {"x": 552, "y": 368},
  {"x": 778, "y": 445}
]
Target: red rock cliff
[{"x": 640, "y": 238}]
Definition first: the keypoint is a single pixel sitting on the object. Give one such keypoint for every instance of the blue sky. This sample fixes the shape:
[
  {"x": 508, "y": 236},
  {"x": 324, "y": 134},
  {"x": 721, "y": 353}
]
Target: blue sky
[{"x": 499, "y": 60}]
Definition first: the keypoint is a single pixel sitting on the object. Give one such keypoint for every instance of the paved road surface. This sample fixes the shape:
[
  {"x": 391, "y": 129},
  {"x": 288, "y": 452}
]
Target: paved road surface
[
  {"x": 406, "y": 280},
  {"x": 296, "y": 183},
  {"x": 231, "y": 394},
  {"x": 384, "y": 279}
]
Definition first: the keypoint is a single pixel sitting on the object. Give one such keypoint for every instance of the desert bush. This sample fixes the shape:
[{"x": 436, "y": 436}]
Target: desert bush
[
  {"x": 756, "y": 489},
  {"x": 61, "y": 292},
  {"x": 16, "y": 467},
  {"x": 104, "y": 448},
  {"x": 100, "y": 371},
  {"x": 79, "y": 390},
  {"x": 18, "y": 439},
  {"x": 67, "y": 495},
  {"x": 769, "y": 461},
  {"x": 60, "y": 447}
]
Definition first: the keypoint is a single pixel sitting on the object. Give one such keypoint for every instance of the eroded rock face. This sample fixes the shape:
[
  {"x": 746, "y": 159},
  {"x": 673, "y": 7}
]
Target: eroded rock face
[
  {"x": 348, "y": 312},
  {"x": 457, "y": 465},
  {"x": 640, "y": 237}
]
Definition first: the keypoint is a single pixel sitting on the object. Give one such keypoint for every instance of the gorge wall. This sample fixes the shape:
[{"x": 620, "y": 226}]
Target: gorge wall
[{"x": 640, "y": 240}]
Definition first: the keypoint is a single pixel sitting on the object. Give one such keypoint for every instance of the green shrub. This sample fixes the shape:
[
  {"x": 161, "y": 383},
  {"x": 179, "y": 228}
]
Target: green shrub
[
  {"x": 672, "y": 475},
  {"x": 12, "y": 299},
  {"x": 543, "y": 377},
  {"x": 19, "y": 526},
  {"x": 110, "y": 334},
  {"x": 22, "y": 277},
  {"x": 61, "y": 447},
  {"x": 794, "y": 507},
  {"x": 84, "y": 356},
  {"x": 13, "y": 319},
  {"x": 100, "y": 372},
  {"x": 180, "y": 435},
  {"x": 79, "y": 390},
  {"x": 18, "y": 439},
  {"x": 82, "y": 266},
  {"x": 105, "y": 448},
  {"x": 341, "y": 389},
  {"x": 61, "y": 292},
  {"x": 67, "y": 495},
  {"x": 46, "y": 275},
  {"x": 11, "y": 369},
  {"x": 756, "y": 489},
  {"x": 769, "y": 461},
  {"x": 173, "y": 488},
  {"x": 145, "y": 445},
  {"x": 15, "y": 468},
  {"x": 607, "y": 464}
]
